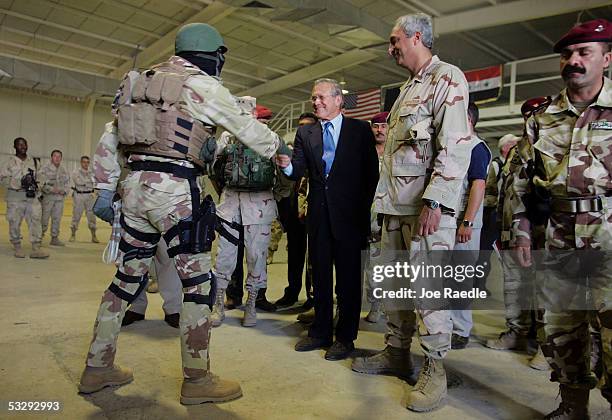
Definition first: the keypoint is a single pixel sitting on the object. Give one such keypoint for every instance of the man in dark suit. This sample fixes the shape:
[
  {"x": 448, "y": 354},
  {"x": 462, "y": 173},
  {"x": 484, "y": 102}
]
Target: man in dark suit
[{"x": 342, "y": 165}]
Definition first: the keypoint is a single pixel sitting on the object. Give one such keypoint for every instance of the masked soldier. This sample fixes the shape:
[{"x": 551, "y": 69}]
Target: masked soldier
[
  {"x": 247, "y": 200},
  {"x": 55, "y": 188},
  {"x": 566, "y": 171},
  {"x": 20, "y": 176},
  {"x": 83, "y": 199},
  {"x": 426, "y": 156},
  {"x": 166, "y": 118}
]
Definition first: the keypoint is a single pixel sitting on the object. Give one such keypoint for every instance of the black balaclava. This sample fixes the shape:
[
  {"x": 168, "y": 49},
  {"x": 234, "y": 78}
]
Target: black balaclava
[{"x": 209, "y": 62}]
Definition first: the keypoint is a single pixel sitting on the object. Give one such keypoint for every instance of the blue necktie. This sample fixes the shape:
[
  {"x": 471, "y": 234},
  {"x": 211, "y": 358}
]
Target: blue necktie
[{"x": 329, "y": 148}]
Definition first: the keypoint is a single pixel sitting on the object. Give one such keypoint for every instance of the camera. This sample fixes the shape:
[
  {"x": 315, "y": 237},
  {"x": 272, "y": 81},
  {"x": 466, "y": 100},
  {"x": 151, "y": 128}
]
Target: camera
[{"x": 28, "y": 183}]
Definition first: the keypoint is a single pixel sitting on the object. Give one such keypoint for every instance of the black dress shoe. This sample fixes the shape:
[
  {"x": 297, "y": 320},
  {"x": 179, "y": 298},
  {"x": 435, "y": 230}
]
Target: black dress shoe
[
  {"x": 131, "y": 317},
  {"x": 339, "y": 350},
  {"x": 285, "y": 302},
  {"x": 459, "y": 342},
  {"x": 308, "y": 305},
  {"x": 265, "y": 305},
  {"x": 311, "y": 343},
  {"x": 173, "y": 320}
]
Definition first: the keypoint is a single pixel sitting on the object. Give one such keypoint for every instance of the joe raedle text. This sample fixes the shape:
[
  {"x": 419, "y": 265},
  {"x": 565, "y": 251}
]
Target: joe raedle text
[{"x": 446, "y": 293}]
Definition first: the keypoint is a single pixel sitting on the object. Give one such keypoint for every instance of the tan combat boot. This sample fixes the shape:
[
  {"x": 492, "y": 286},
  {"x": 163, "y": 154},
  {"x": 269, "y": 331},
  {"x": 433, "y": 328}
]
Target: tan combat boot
[
  {"x": 218, "y": 311},
  {"x": 574, "y": 404},
  {"x": 430, "y": 388},
  {"x": 375, "y": 312},
  {"x": 508, "y": 340},
  {"x": 56, "y": 242},
  {"x": 94, "y": 379},
  {"x": 73, "y": 235},
  {"x": 390, "y": 361},
  {"x": 538, "y": 362},
  {"x": 210, "y": 388},
  {"x": 38, "y": 252},
  {"x": 250, "y": 313},
  {"x": 94, "y": 239},
  {"x": 19, "y": 253}
]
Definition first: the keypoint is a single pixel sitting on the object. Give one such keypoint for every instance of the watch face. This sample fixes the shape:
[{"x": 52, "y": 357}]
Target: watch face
[{"x": 434, "y": 204}]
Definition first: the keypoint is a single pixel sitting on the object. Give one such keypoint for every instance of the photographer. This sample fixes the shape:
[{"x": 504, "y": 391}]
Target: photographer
[{"x": 19, "y": 175}]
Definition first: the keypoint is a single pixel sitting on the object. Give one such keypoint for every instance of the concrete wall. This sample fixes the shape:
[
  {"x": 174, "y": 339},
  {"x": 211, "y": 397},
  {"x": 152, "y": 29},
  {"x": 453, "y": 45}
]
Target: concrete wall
[{"x": 49, "y": 123}]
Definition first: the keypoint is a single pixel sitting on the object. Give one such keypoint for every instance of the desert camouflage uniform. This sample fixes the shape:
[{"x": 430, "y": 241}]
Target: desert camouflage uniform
[
  {"x": 83, "y": 198},
  {"x": 276, "y": 235},
  {"x": 55, "y": 187},
  {"x": 153, "y": 202},
  {"x": 572, "y": 153},
  {"x": 255, "y": 211},
  {"x": 426, "y": 155},
  {"x": 18, "y": 206}
]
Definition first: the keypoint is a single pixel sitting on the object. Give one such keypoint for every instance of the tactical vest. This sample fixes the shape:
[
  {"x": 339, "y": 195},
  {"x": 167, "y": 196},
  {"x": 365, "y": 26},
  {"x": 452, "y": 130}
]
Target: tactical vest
[
  {"x": 150, "y": 120},
  {"x": 465, "y": 195},
  {"x": 245, "y": 170}
]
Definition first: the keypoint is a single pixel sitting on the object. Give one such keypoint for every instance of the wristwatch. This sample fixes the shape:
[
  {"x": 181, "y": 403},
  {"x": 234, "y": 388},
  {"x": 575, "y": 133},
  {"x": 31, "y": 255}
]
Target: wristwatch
[
  {"x": 467, "y": 223},
  {"x": 432, "y": 204}
]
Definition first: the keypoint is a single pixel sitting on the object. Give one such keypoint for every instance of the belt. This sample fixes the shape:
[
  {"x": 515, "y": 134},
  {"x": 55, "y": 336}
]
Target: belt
[
  {"x": 84, "y": 192},
  {"x": 579, "y": 205},
  {"x": 167, "y": 167}
]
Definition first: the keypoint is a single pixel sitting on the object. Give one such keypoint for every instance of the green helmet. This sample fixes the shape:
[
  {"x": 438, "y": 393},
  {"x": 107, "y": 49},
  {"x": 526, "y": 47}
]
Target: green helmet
[{"x": 198, "y": 37}]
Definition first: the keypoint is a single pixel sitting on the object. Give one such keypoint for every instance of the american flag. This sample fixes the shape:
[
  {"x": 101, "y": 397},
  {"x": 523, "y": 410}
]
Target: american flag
[{"x": 362, "y": 105}]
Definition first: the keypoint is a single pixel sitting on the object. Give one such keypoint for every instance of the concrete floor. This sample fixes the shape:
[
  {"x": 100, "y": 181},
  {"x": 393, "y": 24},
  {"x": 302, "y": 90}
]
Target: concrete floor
[{"x": 48, "y": 308}]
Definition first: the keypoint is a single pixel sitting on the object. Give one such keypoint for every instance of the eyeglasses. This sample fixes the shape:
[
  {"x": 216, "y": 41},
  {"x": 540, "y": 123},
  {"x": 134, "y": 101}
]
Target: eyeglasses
[{"x": 314, "y": 98}]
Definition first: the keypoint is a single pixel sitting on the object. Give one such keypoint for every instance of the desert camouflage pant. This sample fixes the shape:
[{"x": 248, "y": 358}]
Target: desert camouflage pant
[
  {"x": 52, "y": 207},
  {"x": 565, "y": 335},
  {"x": 373, "y": 251},
  {"x": 152, "y": 204},
  {"x": 256, "y": 241},
  {"x": 83, "y": 203},
  {"x": 275, "y": 236},
  {"x": 518, "y": 294},
  {"x": 19, "y": 207},
  {"x": 435, "y": 326}
]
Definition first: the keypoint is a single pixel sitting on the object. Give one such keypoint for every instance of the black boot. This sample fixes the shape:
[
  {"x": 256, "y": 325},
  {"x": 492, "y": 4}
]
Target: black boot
[
  {"x": 130, "y": 317},
  {"x": 263, "y": 303},
  {"x": 574, "y": 404}
]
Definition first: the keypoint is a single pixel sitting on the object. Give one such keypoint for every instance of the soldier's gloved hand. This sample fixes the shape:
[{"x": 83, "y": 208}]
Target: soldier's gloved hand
[{"x": 103, "y": 207}]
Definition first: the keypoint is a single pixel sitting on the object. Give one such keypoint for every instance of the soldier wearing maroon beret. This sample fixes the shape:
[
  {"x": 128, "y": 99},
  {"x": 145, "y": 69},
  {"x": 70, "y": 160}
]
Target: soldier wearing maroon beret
[{"x": 565, "y": 155}]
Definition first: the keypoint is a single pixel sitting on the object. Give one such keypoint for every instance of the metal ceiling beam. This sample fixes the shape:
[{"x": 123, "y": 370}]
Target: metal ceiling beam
[
  {"x": 215, "y": 12},
  {"x": 36, "y": 36},
  {"x": 141, "y": 11},
  {"x": 511, "y": 12},
  {"x": 231, "y": 58},
  {"x": 537, "y": 33},
  {"x": 97, "y": 18},
  {"x": 348, "y": 59},
  {"x": 69, "y": 29},
  {"x": 78, "y": 60},
  {"x": 59, "y": 66}
]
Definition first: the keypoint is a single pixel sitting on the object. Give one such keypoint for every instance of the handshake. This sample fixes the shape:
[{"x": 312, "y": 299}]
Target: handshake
[{"x": 282, "y": 160}]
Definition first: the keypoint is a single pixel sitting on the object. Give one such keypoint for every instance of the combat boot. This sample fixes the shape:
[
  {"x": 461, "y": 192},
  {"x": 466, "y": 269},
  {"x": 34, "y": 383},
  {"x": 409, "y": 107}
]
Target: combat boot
[
  {"x": 94, "y": 379},
  {"x": 430, "y": 388},
  {"x": 390, "y": 361},
  {"x": 19, "y": 253},
  {"x": 72, "y": 235},
  {"x": 94, "y": 239},
  {"x": 538, "y": 362},
  {"x": 574, "y": 404},
  {"x": 210, "y": 388},
  {"x": 375, "y": 312},
  {"x": 218, "y": 311},
  {"x": 56, "y": 242},
  {"x": 508, "y": 340},
  {"x": 38, "y": 252},
  {"x": 250, "y": 313}
]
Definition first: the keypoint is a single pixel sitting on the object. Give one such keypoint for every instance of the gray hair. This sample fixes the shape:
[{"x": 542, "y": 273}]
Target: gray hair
[
  {"x": 336, "y": 88},
  {"x": 418, "y": 22}
]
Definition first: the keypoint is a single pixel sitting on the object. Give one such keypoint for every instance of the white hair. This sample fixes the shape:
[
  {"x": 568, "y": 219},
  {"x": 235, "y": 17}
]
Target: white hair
[{"x": 418, "y": 22}]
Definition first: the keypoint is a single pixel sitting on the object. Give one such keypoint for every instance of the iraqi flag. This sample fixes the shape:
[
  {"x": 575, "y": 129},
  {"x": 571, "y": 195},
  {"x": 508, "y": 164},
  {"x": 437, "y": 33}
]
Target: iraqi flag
[{"x": 485, "y": 84}]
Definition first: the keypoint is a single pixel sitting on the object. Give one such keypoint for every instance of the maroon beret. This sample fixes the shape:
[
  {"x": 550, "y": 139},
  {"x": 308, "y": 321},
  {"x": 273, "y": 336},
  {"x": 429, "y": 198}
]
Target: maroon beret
[
  {"x": 598, "y": 30},
  {"x": 534, "y": 104},
  {"x": 379, "y": 118}
]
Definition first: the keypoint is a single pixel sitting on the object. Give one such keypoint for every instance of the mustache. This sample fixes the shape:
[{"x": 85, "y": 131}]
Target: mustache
[{"x": 572, "y": 69}]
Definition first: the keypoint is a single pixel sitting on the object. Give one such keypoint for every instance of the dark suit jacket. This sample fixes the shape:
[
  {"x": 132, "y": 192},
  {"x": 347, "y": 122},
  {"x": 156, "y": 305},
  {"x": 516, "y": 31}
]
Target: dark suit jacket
[{"x": 347, "y": 193}]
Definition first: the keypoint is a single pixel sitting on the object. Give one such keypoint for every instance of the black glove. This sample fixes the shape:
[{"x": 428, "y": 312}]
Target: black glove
[{"x": 103, "y": 207}]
